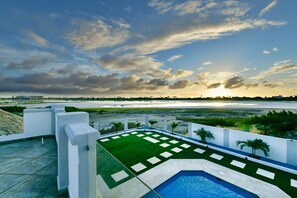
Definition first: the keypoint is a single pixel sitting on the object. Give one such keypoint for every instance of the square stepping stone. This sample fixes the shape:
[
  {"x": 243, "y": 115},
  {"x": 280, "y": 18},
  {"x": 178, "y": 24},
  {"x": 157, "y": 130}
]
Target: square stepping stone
[
  {"x": 166, "y": 154},
  {"x": 164, "y": 138},
  {"x": 138, "y": 167},
  {"x": 140, "y": 135},
  {"x": 176, "y": 149},
  {"x": 238, "y": 163},
  {"x": 185, "y": 146},
  {"x": 134, "y": 132},
  {"x": 125, "y": 135},
  {"x": 173, "y": 142},
  {"x": 115, "y": 137},
  {"x": 265, "y": 173},
  {"x": 148, "y": 133},
  {"x": 119, "y": 175},
  {"x": 216, "y": 156},
  {"x": 151, "y": 140},
  {"x": 164, "y": 145},
  {"x": 198, "y": 150},
  {"x": 153, "y": 160},
  {"x": 104, "y": 140},
  {"x": 294, "y": 183},
  {"x": 156, "y": 135}
]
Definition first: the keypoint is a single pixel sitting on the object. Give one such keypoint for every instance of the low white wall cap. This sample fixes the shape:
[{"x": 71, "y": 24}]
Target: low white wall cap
[
  {"x": 37, "y": 110},
  {"x": 78, "y": 132}
]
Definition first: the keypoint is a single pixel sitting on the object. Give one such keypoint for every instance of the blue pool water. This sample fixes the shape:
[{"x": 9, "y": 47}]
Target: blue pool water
[{"x": 191, "y": 184}]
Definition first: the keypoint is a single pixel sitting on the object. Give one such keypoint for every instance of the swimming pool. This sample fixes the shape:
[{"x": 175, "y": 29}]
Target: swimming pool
[{"x": 190, "y": 184}]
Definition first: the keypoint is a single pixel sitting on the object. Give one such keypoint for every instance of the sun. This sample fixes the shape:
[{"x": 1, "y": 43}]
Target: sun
[{"x": 220, "y": 91}]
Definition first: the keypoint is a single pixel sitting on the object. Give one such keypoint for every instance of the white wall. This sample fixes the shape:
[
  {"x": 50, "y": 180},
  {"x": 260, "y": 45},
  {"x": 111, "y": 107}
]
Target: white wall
[
  {"x": 38, "y": 122},
  {"x": 73, "y": 169},
  {"x": 279, "y": 150},
  {"x": 278, "y": 146},
  {"x": 218, "y": 133}
]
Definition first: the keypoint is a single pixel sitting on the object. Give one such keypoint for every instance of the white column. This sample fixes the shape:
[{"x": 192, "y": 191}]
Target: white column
[
  {"x": 62, "y": 119},
  {"x": 96, "y": 125},
  {"x": 165, "y": 124},
  {"x": 82, "y": 160},
  {"x": 125, "y": 124},
  {"x": 226, "y": 138},
  {"x": 146, "y": 120},
  {"x": 190, "y": 129}
]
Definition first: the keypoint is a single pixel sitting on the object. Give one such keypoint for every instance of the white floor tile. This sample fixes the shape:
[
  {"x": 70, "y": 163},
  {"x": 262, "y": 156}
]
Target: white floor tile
[
  {"x": 115, "y": 137},
  {"x": 173, "y": 142},
  {"x": 294, "y": 183},
  {"x": 238, "y": 164},
  {"x": 265, "y": 173},
  {"x": 140, "y": 135},
  {"x": 166, "y": 154},
  {"x": 138, "y": 167},
  {"x": 185, "y": 146},
  {"x": 164, "y": 145},
  {"x": 176, "y": 149},
  {"x": 151, "y": 140},
  {"x": 125, "y": 135},
  {"x": 104, "y": 140},
  {"x": 216, "y": 156},
  {"x": 164, "y": 138},
  {"x": 119, "y": 175},
  {"x": 156, "y": 135},
  {"x": 153, "y": 160},
  {"x": 198, "y": 150}
]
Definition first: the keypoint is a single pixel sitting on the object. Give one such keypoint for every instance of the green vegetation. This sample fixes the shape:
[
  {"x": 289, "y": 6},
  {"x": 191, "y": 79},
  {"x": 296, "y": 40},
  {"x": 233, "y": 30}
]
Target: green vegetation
[
  {"x": 256, "y": 144},
  {"x": 131, "y": 150},
  {"x": 152, "y": 122},
  {"x": 275, "y": 123},
  {"x": 173, "y": 126},
  {"x": 118, "y": 126},
  {"x": 204, "y": 134}
]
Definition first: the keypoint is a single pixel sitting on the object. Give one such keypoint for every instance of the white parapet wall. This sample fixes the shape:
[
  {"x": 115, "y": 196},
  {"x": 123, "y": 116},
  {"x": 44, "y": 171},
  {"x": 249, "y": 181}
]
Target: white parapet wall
[
  {"x": 38, "y": 122},
  {"x": 282, "y": 150}
]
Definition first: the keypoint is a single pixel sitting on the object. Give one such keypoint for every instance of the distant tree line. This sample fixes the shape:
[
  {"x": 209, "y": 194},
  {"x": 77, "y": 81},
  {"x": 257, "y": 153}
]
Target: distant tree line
[{"x": 228, "y": 98}]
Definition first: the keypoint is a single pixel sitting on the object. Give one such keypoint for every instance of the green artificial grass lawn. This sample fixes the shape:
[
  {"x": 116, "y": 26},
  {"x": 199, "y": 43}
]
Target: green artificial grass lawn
[{"x": 132, "y": 150}]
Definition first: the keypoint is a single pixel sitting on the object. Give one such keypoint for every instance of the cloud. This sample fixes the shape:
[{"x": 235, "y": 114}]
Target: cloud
[
  {"x": 266, "y": 52},
  {"x": 207, "y": 63},
  {"x": 96, "y": 34},
  {"x": 251, "y": 85},
  {"x": 79, "y": 83},
  {"x": 272, "y": 85},
  {"x": 214, "y": 85},
  {"x": 234, "y": 82},
  {"x": 277, "y": 68},
  {"x": 274, "y": 49},
  {"x": 181, "y": 84},
  {"x": 180, "y": 74},
  {"x": 268, "y": 7},
  {"x": 175, "y": 57},
  {"x": 37, "y": 39},
  {"x": 135, "y": 64},
  {"x": 185, "y": 33},
  {"x": 161, "y": 6},
  {"x": 229, "y": 8},
  {"x": 29, "y": 64}
]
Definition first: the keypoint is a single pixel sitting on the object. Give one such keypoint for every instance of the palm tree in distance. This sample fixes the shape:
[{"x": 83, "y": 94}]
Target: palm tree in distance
[
  {"x": 204, "y": 134},
  {"x": 256, "y": 144},
  {"x": 173, "y": 126},
  {"x": 117, "y": 126},
  {"x": 152, "y": 122}
]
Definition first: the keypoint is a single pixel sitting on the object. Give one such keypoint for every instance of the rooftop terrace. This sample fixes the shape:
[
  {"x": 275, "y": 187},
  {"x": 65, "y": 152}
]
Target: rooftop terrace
[{"x": 28, "y": 168}]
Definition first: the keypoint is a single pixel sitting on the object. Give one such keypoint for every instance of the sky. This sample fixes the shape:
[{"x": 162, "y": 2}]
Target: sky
[{"x": 136, "y": 48}]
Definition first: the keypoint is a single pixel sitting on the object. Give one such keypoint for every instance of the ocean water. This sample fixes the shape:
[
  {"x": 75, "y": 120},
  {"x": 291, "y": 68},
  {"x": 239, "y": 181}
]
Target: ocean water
[{"x": 174, "y": 104}]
